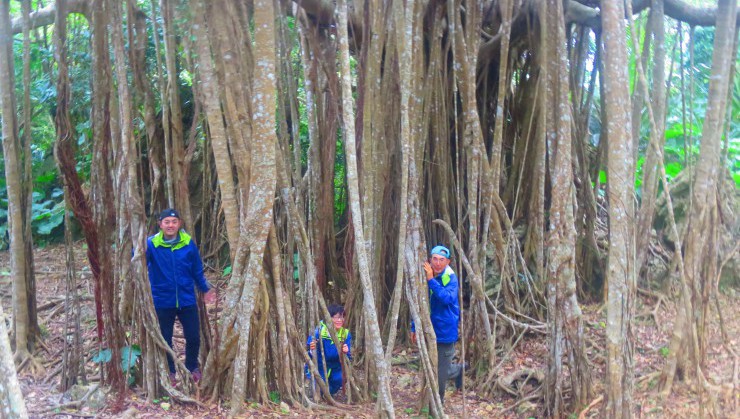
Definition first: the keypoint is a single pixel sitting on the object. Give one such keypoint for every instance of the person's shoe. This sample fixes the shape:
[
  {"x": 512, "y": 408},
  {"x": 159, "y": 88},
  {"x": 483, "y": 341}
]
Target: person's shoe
[
  {"x": 196, "y": 375},
  {"x": 173, "y": 379}
]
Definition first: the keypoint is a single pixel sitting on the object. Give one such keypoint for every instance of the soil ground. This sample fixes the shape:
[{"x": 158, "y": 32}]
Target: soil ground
[{"x": 651, "y": 338}]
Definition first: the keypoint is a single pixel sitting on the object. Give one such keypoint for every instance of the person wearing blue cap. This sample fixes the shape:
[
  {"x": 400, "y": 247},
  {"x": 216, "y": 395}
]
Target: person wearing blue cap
[
  {"x": 175, "y": 268},
  {"x": 444, "y": 308}
]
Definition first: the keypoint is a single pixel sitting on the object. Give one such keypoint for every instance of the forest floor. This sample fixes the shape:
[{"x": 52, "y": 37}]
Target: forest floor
[{"x": 652, "y": 334}]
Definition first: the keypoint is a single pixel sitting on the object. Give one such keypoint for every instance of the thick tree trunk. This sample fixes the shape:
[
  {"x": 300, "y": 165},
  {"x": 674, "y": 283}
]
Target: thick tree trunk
[
  {"x": 219, "y": 142},
  {"x": 233, "y": 65},
  {"x": 262, "y": 183},
  {"x": 131, "y": 213},
  {"x": 27, "y": 173},
  {"x": 105, "y": 308},
  {"x": 176, "y": 181},
  {"x": 374, "y": 344},
  {"x": 650, "y": 168},
  {"x": 621, "y": 264},
  {"x": 506, "y": 7},
  {"x": 688, "y": 343},
  {"x": 404, "y": 19},
  {"x": 12, "y": 405},
  {"x": 566, "y": 328},
  {"x": 23, "y": 328},
  {"x": 701, "y": 242}
]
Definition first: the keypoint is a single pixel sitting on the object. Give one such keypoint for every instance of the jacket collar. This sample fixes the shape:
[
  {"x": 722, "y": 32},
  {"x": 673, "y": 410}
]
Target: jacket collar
[
  {"x": 341, "y": 332},
  {"x": 158, "y": 240}
]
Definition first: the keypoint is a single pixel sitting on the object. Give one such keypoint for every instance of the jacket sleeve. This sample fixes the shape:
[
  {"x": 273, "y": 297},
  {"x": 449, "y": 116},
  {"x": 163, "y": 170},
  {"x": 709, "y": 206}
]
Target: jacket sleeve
[
  {"x": 445, "y": 295},
  {"x": 349, "y": 345},
  {"x": 148, "y": 254},
  {"x": 197, "y": 269},
  {"x": 314, "y": 337}
]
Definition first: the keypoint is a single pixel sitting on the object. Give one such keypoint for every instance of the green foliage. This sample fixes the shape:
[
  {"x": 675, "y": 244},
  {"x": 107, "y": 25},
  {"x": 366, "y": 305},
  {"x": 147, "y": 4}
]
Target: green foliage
[
  {"x": 275, "y": 397},
  {"x": 47, "y": 214},
  {"x": 102, "y": 357},
  {"x": 129, "y": 356},
  {"x": 664, "y": 352},
  {"x": 733, "y": 156},
  {"x": 340, "y": 184}
]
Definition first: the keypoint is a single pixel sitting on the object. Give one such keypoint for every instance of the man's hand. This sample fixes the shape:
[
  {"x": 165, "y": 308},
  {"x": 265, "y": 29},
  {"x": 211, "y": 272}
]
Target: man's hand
[
  {"x": 210, "y": 296},
  {"x": 312, "y": 346},
  {"x": 428, "y": 270},
  {"x": 413, "y": 338},
  {"x": 345, "y": 348}
]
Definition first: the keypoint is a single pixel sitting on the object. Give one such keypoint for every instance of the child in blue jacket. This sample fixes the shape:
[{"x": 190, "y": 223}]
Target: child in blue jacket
[{"x": 329, "y": 349}]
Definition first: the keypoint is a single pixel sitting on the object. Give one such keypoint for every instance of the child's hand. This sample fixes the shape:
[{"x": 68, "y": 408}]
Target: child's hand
[
  {"x": 345, "y": 348},
  {"x": 312, "y": 346}
]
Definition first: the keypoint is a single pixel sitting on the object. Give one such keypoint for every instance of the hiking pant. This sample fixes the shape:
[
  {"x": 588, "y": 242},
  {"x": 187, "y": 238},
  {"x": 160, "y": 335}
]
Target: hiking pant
[
  {"x": 191, "y": 329},
  {"x": 446, "y": 369}
]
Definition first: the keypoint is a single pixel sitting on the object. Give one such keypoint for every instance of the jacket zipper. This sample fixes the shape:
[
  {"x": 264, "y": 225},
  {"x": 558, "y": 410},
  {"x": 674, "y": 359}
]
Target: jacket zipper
[{"x": 174, "y": 277}]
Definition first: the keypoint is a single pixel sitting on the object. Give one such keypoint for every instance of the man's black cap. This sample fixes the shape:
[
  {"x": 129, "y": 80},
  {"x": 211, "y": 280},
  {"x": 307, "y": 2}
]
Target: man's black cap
[{"x": 169, "y": 212}]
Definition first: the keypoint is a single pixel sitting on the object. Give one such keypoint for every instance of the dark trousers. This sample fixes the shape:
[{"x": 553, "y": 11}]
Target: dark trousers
[
  {"x": 446, "y": 369},
  {"x": 191, "y": 329}
]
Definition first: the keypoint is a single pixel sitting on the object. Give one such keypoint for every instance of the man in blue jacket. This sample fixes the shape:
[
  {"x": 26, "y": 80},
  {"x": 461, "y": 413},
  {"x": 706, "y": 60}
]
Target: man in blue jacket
[
  {"x": 175, "y": 268},
  {"x": 444, "y": 310},
  {"x": 329, "y": 349}
]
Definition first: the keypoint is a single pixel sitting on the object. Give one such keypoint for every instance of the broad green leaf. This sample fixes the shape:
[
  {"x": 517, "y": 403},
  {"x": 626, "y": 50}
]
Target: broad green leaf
[
  {"x": 102, "y": 357},
  {"x": 129, "y": 355},
  {"x": 52, "y": 221}
]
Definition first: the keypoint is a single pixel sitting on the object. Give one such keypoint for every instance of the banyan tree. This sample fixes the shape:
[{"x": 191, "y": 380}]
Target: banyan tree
[{"x": 317, "y": 150}]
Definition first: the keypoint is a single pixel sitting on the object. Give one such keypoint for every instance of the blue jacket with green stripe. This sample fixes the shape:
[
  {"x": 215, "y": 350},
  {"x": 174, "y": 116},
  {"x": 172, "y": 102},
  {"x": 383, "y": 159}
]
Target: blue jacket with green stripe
[
  {"x": 331, "y": 353},
  {"x": 174, "y": 270},
  {"x": 444, "y": 306}
]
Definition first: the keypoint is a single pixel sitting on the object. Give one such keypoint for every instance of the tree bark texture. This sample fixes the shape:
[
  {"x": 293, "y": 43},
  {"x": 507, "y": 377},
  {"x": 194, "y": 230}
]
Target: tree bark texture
[
  {"x": 688, "y": 343},
  {"x": 650, "y": 168},
  {"x": 374, "y": 344},
  {"x": 23, "y": 328},
  {"x": 12, "y": 405},
  {"x": 566, "y": 328},
  {"x": 620, "y": 192},
  {"x": 262, "y": 184}
]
